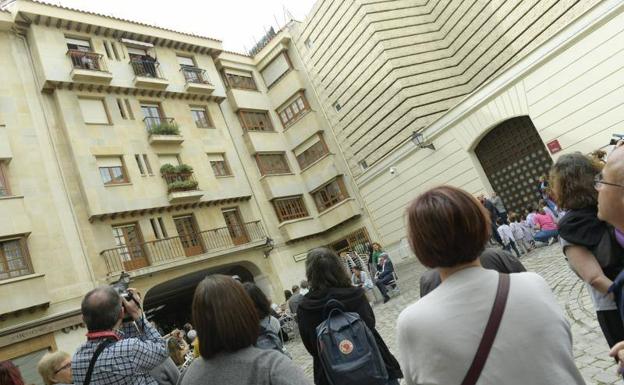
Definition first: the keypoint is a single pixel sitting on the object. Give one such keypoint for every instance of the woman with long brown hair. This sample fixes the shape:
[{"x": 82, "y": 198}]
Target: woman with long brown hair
[{"x": 227, "y": 326}]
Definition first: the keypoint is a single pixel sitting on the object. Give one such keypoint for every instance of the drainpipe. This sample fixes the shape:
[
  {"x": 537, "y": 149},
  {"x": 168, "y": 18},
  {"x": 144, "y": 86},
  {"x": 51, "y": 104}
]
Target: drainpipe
[{"x": 41, "y": 104}]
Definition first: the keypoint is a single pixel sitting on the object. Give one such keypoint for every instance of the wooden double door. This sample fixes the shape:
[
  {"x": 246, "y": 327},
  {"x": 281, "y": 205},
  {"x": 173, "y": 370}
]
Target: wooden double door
[
  {"x": 235, "y": 226},
  {"x": 130, "y": 246},
  {"x": 189, "y": 235}
]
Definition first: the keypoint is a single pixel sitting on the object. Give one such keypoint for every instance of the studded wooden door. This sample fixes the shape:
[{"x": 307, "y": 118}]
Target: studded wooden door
[{"x": 513, "y": 157}]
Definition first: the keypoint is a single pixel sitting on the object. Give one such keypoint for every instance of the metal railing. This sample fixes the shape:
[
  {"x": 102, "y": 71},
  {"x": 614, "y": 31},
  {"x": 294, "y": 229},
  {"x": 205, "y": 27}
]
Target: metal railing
[
  {"x": 195, "y": 75},
  {"x": 86, "y": 60},
  {"x": 169, "y": 249},
  {"x": 161, "y": 126},
  {"x": 173, "y": 179},
  {"x": 146, "y": 68}
]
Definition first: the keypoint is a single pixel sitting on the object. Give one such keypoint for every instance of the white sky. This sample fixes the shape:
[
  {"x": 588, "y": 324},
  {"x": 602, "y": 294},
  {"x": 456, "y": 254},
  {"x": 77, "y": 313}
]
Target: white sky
[{"x": 238, "y": 23}]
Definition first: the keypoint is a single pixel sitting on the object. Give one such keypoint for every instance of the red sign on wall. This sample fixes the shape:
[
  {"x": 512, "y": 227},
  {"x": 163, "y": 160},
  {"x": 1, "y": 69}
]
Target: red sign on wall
[{"x": 554, "y": 146}]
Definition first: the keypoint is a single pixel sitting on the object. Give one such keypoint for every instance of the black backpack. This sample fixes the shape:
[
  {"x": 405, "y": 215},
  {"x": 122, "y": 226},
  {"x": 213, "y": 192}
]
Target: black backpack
[{"x": 347, "y": 349}]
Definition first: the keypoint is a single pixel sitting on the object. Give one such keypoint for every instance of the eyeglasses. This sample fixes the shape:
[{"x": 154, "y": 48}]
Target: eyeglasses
[
  {"x": 66, "y": 366},
  {"x": 598, "y": 181}
]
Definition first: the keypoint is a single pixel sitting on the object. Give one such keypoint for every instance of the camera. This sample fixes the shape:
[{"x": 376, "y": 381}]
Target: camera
[
  {"x": 616, "y": 138},
  {"x": 393, "y": 170},
  {"x": 121, "y": 287}
]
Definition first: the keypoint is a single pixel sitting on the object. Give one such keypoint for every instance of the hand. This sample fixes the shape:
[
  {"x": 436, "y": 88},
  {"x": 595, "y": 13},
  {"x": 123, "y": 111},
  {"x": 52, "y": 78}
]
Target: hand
[
  {"x": 619, "y": 144},
  {"x": 618, "y": 353},
  {"x": 133, "y": 307}
]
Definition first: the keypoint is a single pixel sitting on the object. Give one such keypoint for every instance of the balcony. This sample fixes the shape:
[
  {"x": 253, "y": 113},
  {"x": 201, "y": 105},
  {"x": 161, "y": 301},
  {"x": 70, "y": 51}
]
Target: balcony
[
  {"x": 189, "y": 247},
  {"x": 196, "y": 80},
  {"x": 300, "y": 228},
  {"x": 148, "y": 75},
  {"x": 181, "y": 185},
  {"x": 163, "y": 131},
  {"x": 88, "y": 67},
  {"x": 339, "y": 213}
]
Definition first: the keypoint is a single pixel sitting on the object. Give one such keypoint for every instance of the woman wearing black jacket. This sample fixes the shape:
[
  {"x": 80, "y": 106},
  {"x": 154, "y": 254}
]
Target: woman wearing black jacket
[{"x": 329, "y": 280}]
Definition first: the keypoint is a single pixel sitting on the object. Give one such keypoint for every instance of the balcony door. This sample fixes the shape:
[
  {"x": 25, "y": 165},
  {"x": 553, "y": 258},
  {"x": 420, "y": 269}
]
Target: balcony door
[
  {"x": 152, "y": 114},
  {"x": 189, "y": 235},
  {"x": 130, "y": 243},
  {"x": 235, "y": 226}
]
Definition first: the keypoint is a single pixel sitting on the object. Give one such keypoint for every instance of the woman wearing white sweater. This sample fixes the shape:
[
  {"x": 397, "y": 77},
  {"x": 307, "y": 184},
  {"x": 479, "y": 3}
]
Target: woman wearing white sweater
[{"x": 439, "y": 335}]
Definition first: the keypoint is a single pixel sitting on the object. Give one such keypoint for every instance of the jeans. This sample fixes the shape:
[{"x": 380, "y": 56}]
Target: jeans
[
  {"x": 545, "y": 235},
  {"x": 381, "y": 285}
]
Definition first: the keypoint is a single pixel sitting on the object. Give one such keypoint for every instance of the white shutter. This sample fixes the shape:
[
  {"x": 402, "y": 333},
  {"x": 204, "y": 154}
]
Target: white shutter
[
  {"x": 136, "y": 51},
  {"x": 78, "y": 42},
  {"x": 238, "y": 72},
  {"x": 277, "y": 68},
  {"x": 185, "y": 61},
  {"x": 307, "y": 144},
  {"x": 108, "y": 161},
  {"x": 93, "y": 111},
  {"x": 171, "y": 159},
  {"x": 215, "y": 157}
]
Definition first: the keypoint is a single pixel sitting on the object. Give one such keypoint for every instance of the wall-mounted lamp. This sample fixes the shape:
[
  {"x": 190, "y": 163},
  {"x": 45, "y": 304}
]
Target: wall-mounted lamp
[
  {"x": 270, "y": 245},
  {"x": 419, "y": 140}
]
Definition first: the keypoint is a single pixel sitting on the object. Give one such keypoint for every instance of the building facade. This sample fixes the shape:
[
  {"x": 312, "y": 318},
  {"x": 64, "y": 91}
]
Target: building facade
[{"x": 130, "y": 148}]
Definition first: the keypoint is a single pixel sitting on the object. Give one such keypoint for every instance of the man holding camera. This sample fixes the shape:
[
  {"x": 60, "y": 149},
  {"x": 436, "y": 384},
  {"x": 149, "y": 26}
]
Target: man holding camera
[{"x": 122, "y": 347}]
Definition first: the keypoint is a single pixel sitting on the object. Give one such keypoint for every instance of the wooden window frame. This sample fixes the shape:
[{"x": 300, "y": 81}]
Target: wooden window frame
[
  {"x": 246, "y": 124},
  {"x": 5, "y": 179},
  {"x": 229, "y": 84},
  {"x": 302, "y": 209},
  {"x": 209, "y": 122},
  {"x": 288, "y": 106},
  {"x": 124, "y": 171},
  {"x": 24, "y": 255},
  {"x": 226, "y": 167},
  {"x": 264, "y": 171},
  {"x": 329, "y": 204},
  {"x": 303, "y": 165},
  {"x": 282, "y": 76}
]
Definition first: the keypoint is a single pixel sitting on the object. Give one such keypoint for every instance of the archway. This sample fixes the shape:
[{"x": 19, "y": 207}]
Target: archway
[
  {"x": 169, "y": 303},
  {"x": 513, "y": 157}
]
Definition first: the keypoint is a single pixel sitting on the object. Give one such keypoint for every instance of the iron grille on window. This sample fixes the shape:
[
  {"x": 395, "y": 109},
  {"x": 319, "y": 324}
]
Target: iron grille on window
[
  {"x": 330, "y": 194},
  {"x": 14, "y": 259},
  {"x": 290, "y": 208},
  {"x": 312, "y": 154},
  {"x": 255, "y": 120},
  {"x": 294, "y": 110},
  {"x": 240, "y": 82}
]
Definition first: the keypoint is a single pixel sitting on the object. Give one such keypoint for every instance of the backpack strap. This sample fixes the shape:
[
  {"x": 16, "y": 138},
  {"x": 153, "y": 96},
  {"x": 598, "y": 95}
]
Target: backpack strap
[
  {"x": 491, "y": 329},
  {"x": 97, "y": 353}
]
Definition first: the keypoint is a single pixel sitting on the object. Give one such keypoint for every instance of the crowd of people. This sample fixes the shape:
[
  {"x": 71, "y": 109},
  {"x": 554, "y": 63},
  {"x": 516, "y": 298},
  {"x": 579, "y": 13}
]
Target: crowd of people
[{"x": 475, "y": 299}]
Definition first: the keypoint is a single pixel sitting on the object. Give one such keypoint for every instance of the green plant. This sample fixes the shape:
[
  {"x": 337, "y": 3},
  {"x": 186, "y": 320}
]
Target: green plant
[
  {"x": 165, "y": 128},
  {"x": 184, "y": 169},
  {"x": 167, "y": 169},
  {"x": 183, "y": 185}
]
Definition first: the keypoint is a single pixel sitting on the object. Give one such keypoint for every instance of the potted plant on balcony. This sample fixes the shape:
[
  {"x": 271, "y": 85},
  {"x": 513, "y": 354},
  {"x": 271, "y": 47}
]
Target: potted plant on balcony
[
  {"x": 182, "y": 185},
  {"x": 165, "y": 127},
  {"x": 178, "y": 178}
]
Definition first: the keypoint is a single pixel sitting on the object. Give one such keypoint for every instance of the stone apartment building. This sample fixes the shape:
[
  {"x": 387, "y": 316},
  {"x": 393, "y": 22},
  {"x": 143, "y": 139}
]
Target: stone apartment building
[{"x": 129, "y": 147}]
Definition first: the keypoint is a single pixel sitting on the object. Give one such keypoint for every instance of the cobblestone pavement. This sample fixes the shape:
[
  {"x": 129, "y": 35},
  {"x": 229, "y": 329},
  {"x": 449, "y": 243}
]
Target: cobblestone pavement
[{"x": 590, "y": 347}]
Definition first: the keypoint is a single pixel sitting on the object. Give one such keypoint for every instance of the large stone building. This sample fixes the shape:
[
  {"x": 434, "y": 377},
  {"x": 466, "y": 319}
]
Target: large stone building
[{"x": 129, "y": 147}]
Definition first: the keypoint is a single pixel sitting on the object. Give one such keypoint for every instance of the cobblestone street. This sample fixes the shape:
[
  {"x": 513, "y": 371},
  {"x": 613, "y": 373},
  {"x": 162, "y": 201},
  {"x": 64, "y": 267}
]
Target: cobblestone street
[{"x": 590, "y": 347}]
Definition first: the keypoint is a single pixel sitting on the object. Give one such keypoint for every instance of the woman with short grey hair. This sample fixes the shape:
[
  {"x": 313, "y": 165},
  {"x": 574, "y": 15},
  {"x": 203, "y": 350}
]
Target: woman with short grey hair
[{"x": 55, "y": 368}]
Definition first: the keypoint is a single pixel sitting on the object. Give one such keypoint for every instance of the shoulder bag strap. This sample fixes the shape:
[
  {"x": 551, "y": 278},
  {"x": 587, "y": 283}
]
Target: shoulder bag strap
[
  {"x": 490, "y": 331},
  {"x": 97, "y": 353}
]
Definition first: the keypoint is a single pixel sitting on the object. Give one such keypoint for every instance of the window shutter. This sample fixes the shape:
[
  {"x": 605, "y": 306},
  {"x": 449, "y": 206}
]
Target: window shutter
[
  {"x": 93, "y": 111},
  {"x": 185, "y": 61},
  {"x": 168, "y": 159},
  {"x": 109, "y": 161},
  {"x": 275, "y": 69}
]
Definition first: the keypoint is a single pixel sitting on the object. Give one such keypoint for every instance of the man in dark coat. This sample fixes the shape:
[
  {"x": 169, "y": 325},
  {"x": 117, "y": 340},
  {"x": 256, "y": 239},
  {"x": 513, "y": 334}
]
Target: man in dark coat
[
  {"x": 492, "y": 259},
  {"x": 385, "y": 275}
]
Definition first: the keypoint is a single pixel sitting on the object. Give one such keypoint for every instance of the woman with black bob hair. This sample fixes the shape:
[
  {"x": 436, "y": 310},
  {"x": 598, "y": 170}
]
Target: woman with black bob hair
[
  {"x": 588, "y": 243},
  {"x": 329, "y": 280},
  {"x": 226, "y": 322}
]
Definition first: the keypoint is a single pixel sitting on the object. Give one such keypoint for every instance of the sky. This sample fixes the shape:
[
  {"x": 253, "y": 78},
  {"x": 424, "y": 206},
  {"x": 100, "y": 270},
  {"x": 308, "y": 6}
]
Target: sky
[{"x": 238, "y": 23}]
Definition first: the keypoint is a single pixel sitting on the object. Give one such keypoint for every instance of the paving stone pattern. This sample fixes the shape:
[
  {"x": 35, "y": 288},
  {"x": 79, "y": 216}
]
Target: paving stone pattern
[{"x": 590, "y": 347}]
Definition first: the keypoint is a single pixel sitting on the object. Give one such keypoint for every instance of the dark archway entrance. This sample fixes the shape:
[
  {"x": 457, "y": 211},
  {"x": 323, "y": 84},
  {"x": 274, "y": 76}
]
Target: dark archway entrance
[
  {"x": 169, "y": 303},
  {"x": 513, "y": 157}
]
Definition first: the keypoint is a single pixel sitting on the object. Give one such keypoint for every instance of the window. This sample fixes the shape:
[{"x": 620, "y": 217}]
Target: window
[
  {"x": 93, "y": 111},
  {"x": 129, "y": 109},
  {"x": 271, "y": 164},
  {"x": 122, "y": 111},
  {"x": 158, "y": 228},
  {"x": 83, "y": 45},
  {"x": 337, "y": 106},
  {"x": 255, "y": 120},
  {"x": 276, "y": 69},
  {"x": 309, "y": 43},
  {"x": 330, "y": 194},
  {"x": 186, "y": 61},
  {"x": 14, "y": 258},
  {"x": 363, "y": 165},
  {"x": 4, "y": 181},
  {"x": 294, "y": 109},
  {"x": 112, "y": 170},
  {"x": 153, "y": 115},
  {"x": 311, "y": 153},
  {"x": 129, "y": 241},
  {"x": 219, "y": 165},
  {"x": 240, "y": 79},
  {"x": 115, "y": 51},
  {"x": 107, "y": 49},
  {"x": 200, "y": 116},
  {"x": 143, "y": 164},
  {"x": 290, "y": 208},
  {"x": 171, "y": 159}
]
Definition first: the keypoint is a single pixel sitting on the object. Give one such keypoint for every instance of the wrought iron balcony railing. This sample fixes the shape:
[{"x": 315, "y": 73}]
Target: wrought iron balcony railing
[
  {"x": 161, "y": 126},
  {"x": 195, "y": 75},
  {"x": 180, "y": 181},
  {"x": 86, "y": 60},
  {"x": 146, "y": 68},
  {"x": 132, "y": 257}
]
